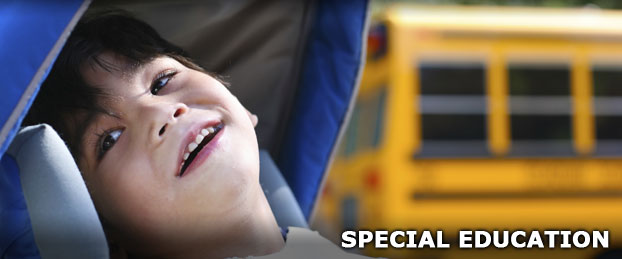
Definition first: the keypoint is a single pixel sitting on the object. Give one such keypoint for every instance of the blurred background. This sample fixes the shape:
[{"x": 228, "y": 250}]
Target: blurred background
[{"x": 494, "y": 115}]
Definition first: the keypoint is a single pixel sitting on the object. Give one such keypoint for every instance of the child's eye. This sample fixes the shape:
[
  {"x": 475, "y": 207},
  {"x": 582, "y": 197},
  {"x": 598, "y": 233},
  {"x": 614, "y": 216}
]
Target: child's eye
[
  {"x": 109, "y": 139},
  {"x": 161, "y": 80}
]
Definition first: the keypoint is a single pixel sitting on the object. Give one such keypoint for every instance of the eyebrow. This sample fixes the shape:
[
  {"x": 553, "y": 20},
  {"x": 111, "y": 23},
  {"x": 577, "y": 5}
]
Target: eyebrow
[
  {"x": 147, "y": 70},
  {"x": 125, "y": 66}
]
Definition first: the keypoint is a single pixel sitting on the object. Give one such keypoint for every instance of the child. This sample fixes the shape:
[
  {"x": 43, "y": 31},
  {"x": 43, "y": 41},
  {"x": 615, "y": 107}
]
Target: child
[{"x": 168, "y": 154}]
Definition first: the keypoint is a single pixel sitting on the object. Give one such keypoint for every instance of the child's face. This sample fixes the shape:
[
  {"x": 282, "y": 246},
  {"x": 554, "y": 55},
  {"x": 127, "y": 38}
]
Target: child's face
[{"x": 132, "y": 161}]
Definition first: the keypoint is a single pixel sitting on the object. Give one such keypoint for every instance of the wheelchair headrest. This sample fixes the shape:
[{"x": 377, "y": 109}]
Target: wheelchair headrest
[{"x": 60, "y": 214}]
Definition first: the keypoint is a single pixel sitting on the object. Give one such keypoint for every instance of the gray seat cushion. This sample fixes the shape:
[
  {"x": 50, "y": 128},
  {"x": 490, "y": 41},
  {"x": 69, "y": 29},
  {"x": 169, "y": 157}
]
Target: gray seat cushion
[
  {"x": 63, "y": 217},
  {"x": 281, "y": 198}
]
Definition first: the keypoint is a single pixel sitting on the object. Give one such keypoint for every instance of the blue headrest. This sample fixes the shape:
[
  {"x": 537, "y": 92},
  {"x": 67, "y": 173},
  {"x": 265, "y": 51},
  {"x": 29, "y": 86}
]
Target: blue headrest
[{"x": 16, "y": 239}]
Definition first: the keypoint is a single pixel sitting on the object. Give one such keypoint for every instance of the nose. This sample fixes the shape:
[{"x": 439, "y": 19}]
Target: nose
[{"x": 167, "y": 116}]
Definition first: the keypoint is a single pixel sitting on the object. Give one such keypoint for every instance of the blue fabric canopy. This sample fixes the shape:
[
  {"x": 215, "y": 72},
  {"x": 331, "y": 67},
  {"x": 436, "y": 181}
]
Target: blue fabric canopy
[
  {"x": 329, "y": 81},
  {"x": 32, "y": 34}
]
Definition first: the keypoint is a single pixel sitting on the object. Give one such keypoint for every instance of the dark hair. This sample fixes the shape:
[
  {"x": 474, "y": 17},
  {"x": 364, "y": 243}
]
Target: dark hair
[{"x": 66, "y": 101}]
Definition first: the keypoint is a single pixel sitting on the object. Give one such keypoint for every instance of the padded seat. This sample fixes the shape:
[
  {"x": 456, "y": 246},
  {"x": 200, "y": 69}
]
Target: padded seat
[{"x": 60, "y": 214}]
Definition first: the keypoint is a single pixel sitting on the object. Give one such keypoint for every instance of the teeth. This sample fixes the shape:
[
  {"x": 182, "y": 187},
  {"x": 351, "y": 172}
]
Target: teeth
[
  {"x": 192, "y": 146},
  {"x": 199, "y": 138},
  {"x": 197, "y": 141}
]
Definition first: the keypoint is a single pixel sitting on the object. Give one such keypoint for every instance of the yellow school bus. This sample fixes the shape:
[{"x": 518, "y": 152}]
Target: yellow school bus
[{"x": 484, "y": 118}]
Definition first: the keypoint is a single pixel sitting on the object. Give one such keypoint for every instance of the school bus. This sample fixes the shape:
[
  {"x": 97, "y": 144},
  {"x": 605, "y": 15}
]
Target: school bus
[{"x": 484, "y": 118}]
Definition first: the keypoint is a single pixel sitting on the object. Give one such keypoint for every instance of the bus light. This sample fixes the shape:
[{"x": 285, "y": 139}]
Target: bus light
[
  {"x": 377, "y": 41},
  {"x": 372, "y": 179}
]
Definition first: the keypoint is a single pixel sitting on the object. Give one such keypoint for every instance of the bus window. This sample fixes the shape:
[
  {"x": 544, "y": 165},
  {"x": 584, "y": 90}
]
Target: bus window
[
  {"x": 370, "y": 119},
  {"x": 366, "y": 124},
  {"x": 608, "y": 109},
  {"x": 379, "y": 115},
  {"x": 453, "y": 109},
  {"x": 540, "y": 110},
  {"x": 349, "y": 212}
]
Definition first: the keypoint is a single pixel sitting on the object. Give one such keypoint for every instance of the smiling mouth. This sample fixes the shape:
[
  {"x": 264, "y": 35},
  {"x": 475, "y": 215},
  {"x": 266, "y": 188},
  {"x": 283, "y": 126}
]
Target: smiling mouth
[{"x": 193, "y": 149}]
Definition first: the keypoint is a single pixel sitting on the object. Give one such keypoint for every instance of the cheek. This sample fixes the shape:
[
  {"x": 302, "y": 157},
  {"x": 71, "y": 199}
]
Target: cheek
[
  {"x": 131, "y": 198},
  {"x": 202, "y": 89},
  {"x": 229, "y": 177}
]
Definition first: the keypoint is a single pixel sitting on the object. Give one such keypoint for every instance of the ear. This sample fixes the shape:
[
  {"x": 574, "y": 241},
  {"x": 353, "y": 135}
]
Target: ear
[{"x": 253, "y": 118}]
